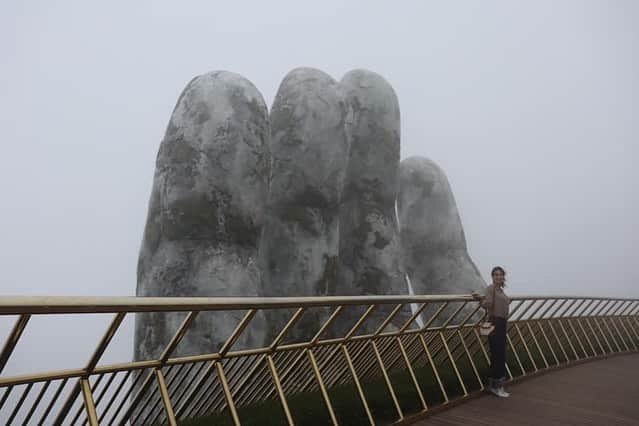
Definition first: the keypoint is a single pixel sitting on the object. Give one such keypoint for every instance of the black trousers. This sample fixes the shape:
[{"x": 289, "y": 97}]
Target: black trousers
[{"x": 497, "y": 341}]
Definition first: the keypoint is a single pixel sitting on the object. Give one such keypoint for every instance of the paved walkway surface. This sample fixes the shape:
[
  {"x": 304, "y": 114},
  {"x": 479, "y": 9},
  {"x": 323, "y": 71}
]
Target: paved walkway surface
[{"x": 598, "y": 393}]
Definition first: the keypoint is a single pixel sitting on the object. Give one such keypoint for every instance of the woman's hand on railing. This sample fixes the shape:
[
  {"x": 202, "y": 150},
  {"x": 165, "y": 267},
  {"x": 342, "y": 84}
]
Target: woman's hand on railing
[{"x": 477, "y": 296}]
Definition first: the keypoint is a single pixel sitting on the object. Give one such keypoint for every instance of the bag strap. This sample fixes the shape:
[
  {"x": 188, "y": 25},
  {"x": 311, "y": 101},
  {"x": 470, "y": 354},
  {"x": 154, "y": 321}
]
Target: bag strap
[{"x": 491, "y": 312}]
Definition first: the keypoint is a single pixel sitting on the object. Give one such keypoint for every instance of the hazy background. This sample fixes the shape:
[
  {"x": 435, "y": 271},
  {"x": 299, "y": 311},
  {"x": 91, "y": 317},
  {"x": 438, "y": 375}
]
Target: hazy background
[{"x": 531, "y": 108}]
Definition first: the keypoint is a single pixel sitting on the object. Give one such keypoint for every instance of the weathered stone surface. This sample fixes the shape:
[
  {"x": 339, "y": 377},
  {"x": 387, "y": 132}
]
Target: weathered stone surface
[
  {"x": 309, "y": 148},
  {"x": 369, "y": 249},
  {"x": 315, "y": 191},
  {"x": 432, "y": 237},
  {"x": 206, "y": 211}
]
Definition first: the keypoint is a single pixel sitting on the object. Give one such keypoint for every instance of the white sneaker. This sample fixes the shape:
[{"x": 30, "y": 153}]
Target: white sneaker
[{"x": 500, "y": 392}]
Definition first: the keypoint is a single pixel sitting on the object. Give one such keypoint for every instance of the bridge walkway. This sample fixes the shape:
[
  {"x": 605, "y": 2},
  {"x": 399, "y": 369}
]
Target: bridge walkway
[{"x": 598, "y": 393}]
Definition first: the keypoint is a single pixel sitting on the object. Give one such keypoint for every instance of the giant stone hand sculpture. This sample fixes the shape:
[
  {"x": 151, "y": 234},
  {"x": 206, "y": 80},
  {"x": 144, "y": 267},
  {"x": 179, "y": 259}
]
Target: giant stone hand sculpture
[
  {"x": 369, "y": 257},
  {"x": 433, "y": 242},
  {"x": 309, "y": 148},
  {"x": 206, "y": 211},
  {"x": 301, "y": 203}
]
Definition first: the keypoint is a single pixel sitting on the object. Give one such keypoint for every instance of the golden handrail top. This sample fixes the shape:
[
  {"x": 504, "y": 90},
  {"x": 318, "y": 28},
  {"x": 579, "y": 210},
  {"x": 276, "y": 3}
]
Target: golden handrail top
[{"x": 14, "y": 305}]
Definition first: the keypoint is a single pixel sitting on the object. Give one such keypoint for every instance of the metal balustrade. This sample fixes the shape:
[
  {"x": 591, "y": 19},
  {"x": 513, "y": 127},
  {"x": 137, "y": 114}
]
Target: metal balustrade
[{"x": 437, "y": 345}]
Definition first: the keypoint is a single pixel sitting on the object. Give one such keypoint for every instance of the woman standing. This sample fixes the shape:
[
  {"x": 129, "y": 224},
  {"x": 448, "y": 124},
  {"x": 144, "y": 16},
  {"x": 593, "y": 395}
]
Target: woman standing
[{"x": 496, "y": 303}]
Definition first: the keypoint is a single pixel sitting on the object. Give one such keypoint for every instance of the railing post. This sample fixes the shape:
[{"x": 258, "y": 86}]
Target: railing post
[
  {"x": 607, "y": 311},
  {"x": 583, "y": 330},
  {"x": 549, "y": 321},
  {"x": 13, "y": 339},
  {"x": 597, "y": 319},
  {"x": 320, "y": 382},
  {"x": 574, "y": 332},
  {"x": 543, "y": 332},
  {"x": 532, "y": 333},
  {"x": 23, "y": 397},
  {"x": 587, "y": 321},
  {"x": 88, "y": 402},
  {"x": 168, "y": 350}
]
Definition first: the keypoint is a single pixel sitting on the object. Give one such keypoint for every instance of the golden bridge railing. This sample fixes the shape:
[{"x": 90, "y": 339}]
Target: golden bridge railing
[{"x": 438, "y": 336}]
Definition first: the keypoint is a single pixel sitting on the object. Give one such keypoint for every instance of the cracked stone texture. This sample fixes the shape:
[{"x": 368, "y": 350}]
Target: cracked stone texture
[
  {"x": 309, "y": 148},
  {"x": 369, "y": 248},
  {"x": 206, "y": 212},
  {"x": 432, "y": 237}
]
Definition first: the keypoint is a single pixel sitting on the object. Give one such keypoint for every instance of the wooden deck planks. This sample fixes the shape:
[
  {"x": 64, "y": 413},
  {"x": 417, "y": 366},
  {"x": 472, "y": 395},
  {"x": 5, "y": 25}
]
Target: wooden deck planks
[{"x": 599, "y": 393}]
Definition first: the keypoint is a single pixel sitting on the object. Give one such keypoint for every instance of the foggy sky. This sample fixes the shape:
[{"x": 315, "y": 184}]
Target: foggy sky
[{"x": 530, "y": 108}]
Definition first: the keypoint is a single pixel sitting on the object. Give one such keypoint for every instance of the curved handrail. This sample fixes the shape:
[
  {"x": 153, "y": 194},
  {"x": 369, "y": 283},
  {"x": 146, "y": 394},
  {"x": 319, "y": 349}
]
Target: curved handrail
[{"x": 16, "y": 305}]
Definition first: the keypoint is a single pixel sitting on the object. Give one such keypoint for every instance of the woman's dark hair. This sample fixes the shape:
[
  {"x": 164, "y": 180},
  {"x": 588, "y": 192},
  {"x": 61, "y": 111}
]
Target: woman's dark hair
[{"x": 497, "y": 269}]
